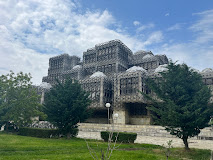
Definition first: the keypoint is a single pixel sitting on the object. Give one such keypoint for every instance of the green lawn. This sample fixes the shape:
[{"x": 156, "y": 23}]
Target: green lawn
[{"x": 15, "y": 147}]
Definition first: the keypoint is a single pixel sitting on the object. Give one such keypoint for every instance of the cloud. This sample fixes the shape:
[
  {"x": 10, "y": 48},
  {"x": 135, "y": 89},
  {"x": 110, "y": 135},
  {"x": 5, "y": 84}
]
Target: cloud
[
  {"x": 192, "y": 54},
  {"x": 203, "y": 28},
  {"x": 177, "y": 26},
  {"x": 15, "y": 56},
  {"x": 196, "y": 52},
  {"x": 143, "y": 27},
  {"x": 34, "y": 30},
  {"x": 167, "y": 14},
  {"x": 154, "y": 37},
  {"x": 136, "y": 23}
]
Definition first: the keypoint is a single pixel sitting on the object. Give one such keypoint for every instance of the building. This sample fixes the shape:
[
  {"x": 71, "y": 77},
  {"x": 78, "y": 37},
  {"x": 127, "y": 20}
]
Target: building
[{"x": 111, "y": 73}]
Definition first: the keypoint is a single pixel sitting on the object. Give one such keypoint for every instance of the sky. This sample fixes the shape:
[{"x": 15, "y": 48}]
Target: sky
[{"x": 32, "y": 31}]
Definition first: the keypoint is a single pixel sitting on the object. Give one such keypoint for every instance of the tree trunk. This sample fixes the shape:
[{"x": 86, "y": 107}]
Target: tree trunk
[
  {"x": 68, "y": 135},
  {"x": 185, "y": 141},
  {"x": 7, "y": 125}
]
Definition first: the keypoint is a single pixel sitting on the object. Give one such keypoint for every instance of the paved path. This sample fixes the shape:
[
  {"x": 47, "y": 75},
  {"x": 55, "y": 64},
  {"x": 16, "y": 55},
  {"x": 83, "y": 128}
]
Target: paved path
[{"x": 176, "y": 142}]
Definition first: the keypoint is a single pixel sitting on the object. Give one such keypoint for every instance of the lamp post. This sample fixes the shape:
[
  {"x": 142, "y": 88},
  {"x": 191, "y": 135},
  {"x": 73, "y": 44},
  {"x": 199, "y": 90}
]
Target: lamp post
[
  {"x": 108, "y": 106},
  {"x": 115, "y": 116}
]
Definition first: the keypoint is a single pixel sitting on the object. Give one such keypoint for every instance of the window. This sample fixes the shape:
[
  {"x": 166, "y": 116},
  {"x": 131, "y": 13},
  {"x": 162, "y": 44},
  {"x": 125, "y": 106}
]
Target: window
[
  {"x": 137, "y": 109},
  {"x": 128, "y": 85}
]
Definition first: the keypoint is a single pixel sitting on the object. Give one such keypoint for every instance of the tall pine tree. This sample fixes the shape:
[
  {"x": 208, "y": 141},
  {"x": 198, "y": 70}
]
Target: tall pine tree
[
  {"x": 66, "y": 104},
  {"x": 180, "y": 101}
]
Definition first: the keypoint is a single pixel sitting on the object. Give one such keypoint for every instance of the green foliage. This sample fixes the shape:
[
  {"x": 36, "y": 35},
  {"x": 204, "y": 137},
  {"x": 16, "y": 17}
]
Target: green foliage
[
  {"x": 38, "y": 132},
  {"x": 211, "y": 122},
  {"x": 66, "y": 104},
  {"x": 19, "y": 101},
  {"x": 124, "y": 137},
  {"x": 180, "y": 101}
]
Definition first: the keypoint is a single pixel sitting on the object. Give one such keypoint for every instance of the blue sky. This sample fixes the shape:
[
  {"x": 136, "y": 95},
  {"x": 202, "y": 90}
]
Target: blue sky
[{"x": 32, "y": 31}]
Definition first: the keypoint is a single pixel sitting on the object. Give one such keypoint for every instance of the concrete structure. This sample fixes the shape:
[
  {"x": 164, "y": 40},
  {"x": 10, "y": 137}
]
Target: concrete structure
[{"x": 111, "y": 73}]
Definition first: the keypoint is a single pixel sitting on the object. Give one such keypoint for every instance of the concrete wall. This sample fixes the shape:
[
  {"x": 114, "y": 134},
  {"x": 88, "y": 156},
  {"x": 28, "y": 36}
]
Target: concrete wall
[
  {"x": 97, "y": 120},
  {"x": 123, "y": 117},
  {"x": 144, "y": 130},
  {"x": 140, "y": 120}
]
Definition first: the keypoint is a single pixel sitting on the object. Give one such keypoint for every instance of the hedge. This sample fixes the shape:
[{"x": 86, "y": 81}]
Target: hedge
[
  {"x": 124, "y": 137},
  {"x": 38, "y": 132}
]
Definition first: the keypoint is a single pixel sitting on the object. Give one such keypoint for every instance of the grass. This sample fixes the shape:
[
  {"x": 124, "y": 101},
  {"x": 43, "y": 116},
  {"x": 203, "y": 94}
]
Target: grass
[{"x": 15, "y": 147}]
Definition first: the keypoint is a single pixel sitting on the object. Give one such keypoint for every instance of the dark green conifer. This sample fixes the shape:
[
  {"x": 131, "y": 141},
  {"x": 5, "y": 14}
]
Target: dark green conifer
[
  {"x": 181, "y": 101},
  {"x": 66, "y": 104}
]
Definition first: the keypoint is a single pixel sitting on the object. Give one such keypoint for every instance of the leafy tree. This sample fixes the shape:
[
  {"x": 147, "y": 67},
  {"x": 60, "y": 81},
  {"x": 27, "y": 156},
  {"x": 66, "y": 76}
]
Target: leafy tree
[
  {"x": 19, "y": 101},
  {"x": 66, "y": 104},
  {"x": 180, "y": 101}
]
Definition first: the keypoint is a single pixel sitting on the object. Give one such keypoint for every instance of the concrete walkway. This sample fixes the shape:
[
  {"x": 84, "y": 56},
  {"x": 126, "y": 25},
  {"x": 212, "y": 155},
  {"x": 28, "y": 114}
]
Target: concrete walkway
[{"x": 176, "y": 142}]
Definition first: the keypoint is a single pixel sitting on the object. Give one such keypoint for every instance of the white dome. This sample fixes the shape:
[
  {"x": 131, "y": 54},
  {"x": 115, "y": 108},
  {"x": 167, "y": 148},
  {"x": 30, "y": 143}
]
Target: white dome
[
  {"x": 207, "y": 70},
  {"x": 45, "y": 85},
  {"x": 148, "y": 56},
  {"x": 135, "y": 68},
  {"x": 77, "y": 67},
  {"x": 97, "y": 74},
  {"x": 161, "y": 68},
  {"x": 195, "y": 70}
]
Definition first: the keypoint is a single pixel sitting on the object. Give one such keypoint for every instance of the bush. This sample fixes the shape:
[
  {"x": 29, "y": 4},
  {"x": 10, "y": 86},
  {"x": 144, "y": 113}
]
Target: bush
[
  {"x": 38, "y": 132},
  {"x": 9, "y": 126},
  {"x": 123, "y": 137}
]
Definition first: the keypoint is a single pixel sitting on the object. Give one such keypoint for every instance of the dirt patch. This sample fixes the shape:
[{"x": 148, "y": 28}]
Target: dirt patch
[
  {"x": 157, "y": 150},
  {"x": 131, "y": 149}
]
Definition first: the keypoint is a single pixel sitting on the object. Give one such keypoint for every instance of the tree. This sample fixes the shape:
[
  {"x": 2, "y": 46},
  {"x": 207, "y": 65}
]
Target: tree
[
  {"x": 19, "y": 101},
  {"x": 66, "y": 104},
  {"x": 180, "y": 101}
]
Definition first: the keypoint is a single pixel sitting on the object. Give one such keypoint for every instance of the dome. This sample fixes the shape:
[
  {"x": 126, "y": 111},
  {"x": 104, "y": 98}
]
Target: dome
[
  {"x": 148, "y": 56},
  {"x": 97, "y": 74},
  {"x": 195, "y": 70},
  {"x": 136, "y": 68},
  {"x": 77, "y": 67},
  {"x": 45, "y": 85},
  {"x": 161, "y": 68},
  {"x": 207, "y": 70}
]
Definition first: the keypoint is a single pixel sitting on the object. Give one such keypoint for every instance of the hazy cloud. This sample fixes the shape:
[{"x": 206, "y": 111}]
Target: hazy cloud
[
  {"x": 136, "y": 23},
  {"x": 143, "y": 27},
  {"x": 198, "y": 51},
  {"x": 177, "y": 26},
  {"x": 167, "y": 14},
  {"x": 203, "y": 28},
  {"x": 154, "y": 37}
]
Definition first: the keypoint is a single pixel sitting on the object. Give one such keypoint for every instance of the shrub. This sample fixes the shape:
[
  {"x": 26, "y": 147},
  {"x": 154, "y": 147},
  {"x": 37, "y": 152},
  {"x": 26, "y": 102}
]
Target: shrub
[
  {"x": 38, "y": 132},
  {"x": 9, "y": 126},
  {"x": 123, "y": 137}
]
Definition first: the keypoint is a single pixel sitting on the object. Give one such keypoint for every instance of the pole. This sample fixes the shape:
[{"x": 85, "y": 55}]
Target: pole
[{"x": 108, "y": 115}]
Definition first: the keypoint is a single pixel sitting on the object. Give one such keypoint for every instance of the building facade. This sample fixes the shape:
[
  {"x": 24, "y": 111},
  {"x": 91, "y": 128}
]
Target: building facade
[{"x": 113, "y": 74}]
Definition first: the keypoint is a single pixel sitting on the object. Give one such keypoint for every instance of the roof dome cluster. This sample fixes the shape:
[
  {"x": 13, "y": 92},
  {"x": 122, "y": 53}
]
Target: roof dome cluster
[
  {"x": 161, "y": 68},
  {"x": 77, "y": 67},
  {"x": 148, "y": 56},
  {"x": 207, "y": 70},
  {"x": 98, "y": 75},
  {"x": 136, "y": 68}
]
